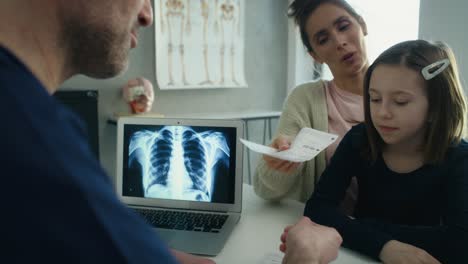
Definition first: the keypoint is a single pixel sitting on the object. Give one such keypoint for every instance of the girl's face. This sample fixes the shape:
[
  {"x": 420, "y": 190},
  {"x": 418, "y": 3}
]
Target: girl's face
[
  {"x": 399, "y": 105},
  {"x": 337, "y": 39}
]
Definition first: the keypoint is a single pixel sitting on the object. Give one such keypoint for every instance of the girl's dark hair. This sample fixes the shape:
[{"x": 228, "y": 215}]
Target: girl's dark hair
[
  {"x": 447, "y": 105},
  {"x": 301, "y": 10}
]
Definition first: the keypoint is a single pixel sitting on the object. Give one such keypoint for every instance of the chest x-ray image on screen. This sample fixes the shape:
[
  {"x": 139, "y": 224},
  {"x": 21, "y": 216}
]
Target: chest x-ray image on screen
[{"x": 179, "y": 162}]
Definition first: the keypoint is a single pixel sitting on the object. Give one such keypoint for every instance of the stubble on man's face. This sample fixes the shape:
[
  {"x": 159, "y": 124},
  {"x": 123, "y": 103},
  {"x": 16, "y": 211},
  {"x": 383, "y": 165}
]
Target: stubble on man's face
[{"x": 95, "y": 50}]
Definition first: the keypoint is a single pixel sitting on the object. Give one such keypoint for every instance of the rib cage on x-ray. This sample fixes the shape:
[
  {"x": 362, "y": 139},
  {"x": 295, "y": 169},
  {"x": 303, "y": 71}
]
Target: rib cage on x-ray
[{"x": 177, "y": 162}]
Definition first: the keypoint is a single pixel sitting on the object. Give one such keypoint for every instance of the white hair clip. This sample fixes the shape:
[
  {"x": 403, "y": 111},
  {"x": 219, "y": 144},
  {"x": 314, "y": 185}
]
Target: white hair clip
[{"x": 433, "y": 69}]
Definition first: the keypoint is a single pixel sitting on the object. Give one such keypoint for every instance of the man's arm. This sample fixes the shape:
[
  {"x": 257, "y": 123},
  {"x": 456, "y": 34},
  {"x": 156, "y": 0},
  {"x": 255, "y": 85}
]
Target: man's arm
[
  {"x": 185, "y": 258},
  {"x": 309, "y": 243}
]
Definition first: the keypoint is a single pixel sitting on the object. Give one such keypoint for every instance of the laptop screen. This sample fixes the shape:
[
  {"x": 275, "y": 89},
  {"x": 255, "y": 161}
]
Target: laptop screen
[{"x": 179, "y": 162}]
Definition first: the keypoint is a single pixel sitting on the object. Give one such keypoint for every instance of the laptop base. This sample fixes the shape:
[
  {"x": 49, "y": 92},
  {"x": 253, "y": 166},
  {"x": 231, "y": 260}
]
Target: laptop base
[{"x": 197, "y": 242}]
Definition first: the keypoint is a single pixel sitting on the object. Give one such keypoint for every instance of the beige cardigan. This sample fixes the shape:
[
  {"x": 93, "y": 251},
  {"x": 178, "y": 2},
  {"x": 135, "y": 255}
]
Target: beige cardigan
[{"x": 306, "y": 106}]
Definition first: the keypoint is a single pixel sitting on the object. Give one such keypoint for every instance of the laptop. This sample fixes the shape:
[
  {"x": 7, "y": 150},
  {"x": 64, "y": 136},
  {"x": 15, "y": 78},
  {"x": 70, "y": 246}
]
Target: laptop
[{"x": 184, "y": 176}]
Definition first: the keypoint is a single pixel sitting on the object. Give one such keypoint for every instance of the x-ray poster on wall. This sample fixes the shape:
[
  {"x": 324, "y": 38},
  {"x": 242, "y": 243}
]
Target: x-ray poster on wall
[{"x": 199, "y": 44}]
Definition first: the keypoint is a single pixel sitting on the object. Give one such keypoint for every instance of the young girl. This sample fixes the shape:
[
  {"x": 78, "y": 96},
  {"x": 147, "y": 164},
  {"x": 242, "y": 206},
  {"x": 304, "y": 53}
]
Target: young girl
[{"x": 410, "y": 161}]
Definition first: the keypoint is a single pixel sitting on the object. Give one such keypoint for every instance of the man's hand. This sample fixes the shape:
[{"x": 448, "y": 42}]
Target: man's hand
[
  {"x": 185, "y": 258},
  {"x": 281, "y": 143},
  {"x": 308, "y": 242},
  {"x": 395, "y": 252}
]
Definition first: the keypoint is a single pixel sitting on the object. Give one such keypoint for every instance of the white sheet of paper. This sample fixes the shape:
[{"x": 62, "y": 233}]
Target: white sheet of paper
[
  {"x": 272, "y": 258},
  {"x": 307, "y": 144}
]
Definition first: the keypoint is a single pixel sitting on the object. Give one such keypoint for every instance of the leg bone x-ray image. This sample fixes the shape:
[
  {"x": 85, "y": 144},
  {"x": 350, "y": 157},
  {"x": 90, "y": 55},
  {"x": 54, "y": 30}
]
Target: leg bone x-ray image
[{"x": 177, "y": 162}]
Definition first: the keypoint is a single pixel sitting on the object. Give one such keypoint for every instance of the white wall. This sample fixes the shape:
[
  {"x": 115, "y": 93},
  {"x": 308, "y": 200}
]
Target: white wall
[
  {"x": 300, "y": 63},
  {"x": 445, "y": 20}
]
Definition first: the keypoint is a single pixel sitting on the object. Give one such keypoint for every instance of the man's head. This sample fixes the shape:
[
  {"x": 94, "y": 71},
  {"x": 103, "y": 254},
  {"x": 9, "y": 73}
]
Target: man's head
[{"x": 97, "y": 35}]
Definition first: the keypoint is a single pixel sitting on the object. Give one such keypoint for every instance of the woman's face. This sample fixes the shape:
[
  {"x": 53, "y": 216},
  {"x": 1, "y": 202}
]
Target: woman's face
[{"x": 337, "y": 39}]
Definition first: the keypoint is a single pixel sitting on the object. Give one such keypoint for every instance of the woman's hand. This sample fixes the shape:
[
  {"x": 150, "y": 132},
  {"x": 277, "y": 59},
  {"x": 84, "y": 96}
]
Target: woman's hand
[
  {"x": 281, "y": 143},
  {"x": 398, "y": 252}
]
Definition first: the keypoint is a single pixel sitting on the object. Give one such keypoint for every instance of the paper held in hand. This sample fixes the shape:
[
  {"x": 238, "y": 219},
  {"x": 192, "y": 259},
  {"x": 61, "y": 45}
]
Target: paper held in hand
[{"x": 307, "y": 144}]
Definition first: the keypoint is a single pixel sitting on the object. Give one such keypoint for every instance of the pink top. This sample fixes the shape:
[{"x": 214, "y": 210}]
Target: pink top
[{"x": 345, "y": 109}]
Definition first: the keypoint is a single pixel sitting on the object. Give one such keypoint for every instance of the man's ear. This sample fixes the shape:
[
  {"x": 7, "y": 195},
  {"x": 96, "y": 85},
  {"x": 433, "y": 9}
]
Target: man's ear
[
  {"x": 363, "y": 25},
  {"x": 315, "y": 57}
]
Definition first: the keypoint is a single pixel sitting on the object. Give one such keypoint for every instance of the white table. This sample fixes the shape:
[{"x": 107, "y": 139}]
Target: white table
[{"x": 258, "y": 231}]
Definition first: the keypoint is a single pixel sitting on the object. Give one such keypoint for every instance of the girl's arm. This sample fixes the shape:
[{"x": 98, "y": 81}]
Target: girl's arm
[
  {"x": 456, "y": 216},
  {"x": 448, "y": 241},
  {"x": 323, "y": 206},
  {"x": 368, "y": 236}
]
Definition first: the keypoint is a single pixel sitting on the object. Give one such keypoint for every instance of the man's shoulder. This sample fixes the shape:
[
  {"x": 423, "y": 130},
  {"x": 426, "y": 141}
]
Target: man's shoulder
[
  {"x": 11, "y": 67},
  {"x": 18, "y": 86}
]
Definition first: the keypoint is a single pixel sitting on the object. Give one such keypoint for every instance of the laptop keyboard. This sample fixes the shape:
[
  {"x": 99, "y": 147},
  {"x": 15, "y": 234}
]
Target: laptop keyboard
[{"x": 183, "y": 220}]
